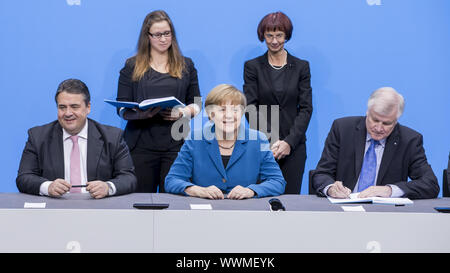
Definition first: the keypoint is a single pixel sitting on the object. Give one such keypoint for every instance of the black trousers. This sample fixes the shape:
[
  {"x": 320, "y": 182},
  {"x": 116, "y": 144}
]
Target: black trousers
[
  {"x": 292, "y": 167},
  {"x": 151, "y": 168}
]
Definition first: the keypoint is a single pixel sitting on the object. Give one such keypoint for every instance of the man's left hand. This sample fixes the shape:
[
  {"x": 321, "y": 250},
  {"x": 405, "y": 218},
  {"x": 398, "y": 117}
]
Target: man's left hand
[
  {"x": 376, "y": 191},
  {"x": 98, "y": 189}
]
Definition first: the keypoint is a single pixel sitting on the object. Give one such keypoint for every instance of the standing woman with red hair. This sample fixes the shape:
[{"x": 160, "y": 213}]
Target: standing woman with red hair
[
  {"x": 278, "y": 78},
  {"x": 157, "y": 70}
]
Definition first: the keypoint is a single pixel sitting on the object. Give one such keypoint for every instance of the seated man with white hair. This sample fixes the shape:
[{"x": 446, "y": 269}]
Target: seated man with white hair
[{"x": 374, "y": 155}]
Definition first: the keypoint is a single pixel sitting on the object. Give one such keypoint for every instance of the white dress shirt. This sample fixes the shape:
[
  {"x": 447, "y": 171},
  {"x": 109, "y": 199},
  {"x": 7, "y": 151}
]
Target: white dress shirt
[{"x": 68, "y": 144}]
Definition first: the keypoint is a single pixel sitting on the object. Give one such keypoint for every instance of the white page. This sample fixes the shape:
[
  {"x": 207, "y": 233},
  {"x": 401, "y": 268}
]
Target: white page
[
  {"x": 201, "y": 206},
  {"x": 353, "y": 208},
  {"x": 353, "y": 199},
  {"x": 34, "y": 205},
  {"x": 392, "y": 201},
  {"x": 376, "y": 200}
]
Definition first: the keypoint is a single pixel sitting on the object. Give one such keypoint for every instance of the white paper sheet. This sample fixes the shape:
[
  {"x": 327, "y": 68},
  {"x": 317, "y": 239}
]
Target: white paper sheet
[
  {"x": 376, "y": 200},
  {"x": 353, "y": 208},
  {"x": 34, "y": 205},
  {"x": 201, "y": 206}
]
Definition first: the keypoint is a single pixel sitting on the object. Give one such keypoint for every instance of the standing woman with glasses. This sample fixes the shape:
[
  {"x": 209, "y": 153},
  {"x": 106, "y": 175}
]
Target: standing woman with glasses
[
  {"x": 157, "y": 70},
  {"x": 279, "y": 79}
]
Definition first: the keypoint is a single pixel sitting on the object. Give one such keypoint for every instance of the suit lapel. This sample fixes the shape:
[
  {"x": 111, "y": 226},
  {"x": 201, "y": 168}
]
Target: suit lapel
[
  {"x": 238, "y": 151},
  {"x": 290, "y": 69},
  {"x": 240, "y": 147},
  {"x": 57, "y": 151},
  {"x": 359, "y": 141},
  {"x": 94, "y": 150},
  {"x": 390, "y": 149},
  {"x": 214, "y": 155}
]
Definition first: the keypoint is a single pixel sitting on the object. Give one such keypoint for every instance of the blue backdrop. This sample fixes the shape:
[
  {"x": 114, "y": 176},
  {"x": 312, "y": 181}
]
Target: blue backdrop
[{"x": 353, "y": 46}]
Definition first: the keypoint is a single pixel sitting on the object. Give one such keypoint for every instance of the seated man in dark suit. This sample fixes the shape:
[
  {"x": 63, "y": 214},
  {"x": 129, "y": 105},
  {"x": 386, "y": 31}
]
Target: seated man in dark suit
[
  {"x": 374, "y": 155},
  {"x": 75, "y": 154},
  {"x": 446, "y": 184}
]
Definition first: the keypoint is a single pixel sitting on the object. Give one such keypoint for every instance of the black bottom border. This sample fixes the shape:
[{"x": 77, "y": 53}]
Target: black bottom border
[{"x": 233, "y": 262}]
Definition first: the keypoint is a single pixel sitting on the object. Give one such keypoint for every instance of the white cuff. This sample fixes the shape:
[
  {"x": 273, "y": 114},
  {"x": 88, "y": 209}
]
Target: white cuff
[
  {"x": 396, "y": 191},
  {"x": 325, "y": 190},
  {"x": 43, "y": 189},
  {"x": 111, "y": 188}
]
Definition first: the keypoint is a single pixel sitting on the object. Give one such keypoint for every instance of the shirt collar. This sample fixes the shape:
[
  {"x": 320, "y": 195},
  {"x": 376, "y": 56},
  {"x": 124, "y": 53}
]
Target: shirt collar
[
  {"x": 382, "y": 141},
  {"x": 82, "y": 133}
]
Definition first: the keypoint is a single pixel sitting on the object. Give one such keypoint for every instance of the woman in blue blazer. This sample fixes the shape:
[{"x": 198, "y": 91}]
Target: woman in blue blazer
[{"x": 226, "y": 157}]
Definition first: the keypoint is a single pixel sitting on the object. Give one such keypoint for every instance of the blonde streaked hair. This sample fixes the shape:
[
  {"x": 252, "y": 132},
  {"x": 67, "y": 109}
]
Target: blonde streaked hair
[
  {"x": 143, "y": 57},
  {"x": 224, "y": 93}
]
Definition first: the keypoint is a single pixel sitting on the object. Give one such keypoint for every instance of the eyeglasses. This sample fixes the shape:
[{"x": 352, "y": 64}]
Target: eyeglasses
[
  {"x": 270, "y": 37},
  {"x": 159, "y": 35}
]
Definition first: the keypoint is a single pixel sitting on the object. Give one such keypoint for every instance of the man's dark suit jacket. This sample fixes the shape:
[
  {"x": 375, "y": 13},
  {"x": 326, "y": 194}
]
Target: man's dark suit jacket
[
  {"x": 403, "y": 157},
  {"x": 108, "y": 158},
  {"x": 295, "y": 102},
  {"x": 446, "y": 184}
]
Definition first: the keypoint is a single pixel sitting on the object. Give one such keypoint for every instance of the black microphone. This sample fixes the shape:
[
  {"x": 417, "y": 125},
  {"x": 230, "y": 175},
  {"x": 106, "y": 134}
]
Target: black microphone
[{"x": 276, "y": 205}]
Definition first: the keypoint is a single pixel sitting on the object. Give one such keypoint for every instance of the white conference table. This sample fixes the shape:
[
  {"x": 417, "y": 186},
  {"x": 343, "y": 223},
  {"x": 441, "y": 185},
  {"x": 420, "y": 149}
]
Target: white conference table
[{"x": 78, "y": 223}]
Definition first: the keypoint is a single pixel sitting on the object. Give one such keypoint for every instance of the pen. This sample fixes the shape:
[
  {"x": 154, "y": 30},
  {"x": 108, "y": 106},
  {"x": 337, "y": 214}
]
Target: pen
[{"x": 78, "y": 186}]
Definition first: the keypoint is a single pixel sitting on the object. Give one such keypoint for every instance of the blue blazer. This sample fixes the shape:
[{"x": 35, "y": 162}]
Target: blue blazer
[{"x": 251, "y": 164}]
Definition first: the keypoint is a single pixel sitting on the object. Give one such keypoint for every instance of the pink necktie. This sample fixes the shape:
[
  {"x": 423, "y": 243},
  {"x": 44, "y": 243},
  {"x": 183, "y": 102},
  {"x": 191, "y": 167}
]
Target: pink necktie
[{"x": 75, "y": 173}]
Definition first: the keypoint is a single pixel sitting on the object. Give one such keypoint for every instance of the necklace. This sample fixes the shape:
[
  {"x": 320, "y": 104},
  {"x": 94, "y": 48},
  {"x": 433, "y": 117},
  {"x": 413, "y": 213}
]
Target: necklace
[
  {"x": 276, "y": 67},
  {"x": 226, "y": 148}
]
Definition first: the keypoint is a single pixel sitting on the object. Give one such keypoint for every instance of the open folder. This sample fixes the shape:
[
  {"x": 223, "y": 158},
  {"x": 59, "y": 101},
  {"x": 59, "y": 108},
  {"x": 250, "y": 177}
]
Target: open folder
[
  {"x": 165, "y": 102},
  {"x": 375, "y": 200}
]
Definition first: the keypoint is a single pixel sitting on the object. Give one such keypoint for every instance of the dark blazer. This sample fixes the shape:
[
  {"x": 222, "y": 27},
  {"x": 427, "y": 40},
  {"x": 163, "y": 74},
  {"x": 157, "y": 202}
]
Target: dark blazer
[
  {"x": 108, "y": 158},
  {"x": 446, "y": 181},
  {"x": 199, "y": 163},
  {"x": 403, "y": 157},
  {"x": 296, "y": 102},
  {"x": 128, "y": 90}
]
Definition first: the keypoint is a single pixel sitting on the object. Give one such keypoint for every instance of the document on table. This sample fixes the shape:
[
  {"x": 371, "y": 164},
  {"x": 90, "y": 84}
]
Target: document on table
[
  {"x": 27, "y": 205},
  {"x": 353, "y": 208},
  {"x": 375, "y": 200},
  {"x": 201, "y": 206}
]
